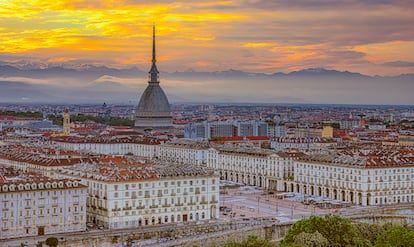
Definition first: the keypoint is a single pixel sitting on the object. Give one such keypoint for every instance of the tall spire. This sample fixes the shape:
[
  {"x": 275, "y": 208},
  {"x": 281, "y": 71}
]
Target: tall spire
[{"x": 154, "y": 71}]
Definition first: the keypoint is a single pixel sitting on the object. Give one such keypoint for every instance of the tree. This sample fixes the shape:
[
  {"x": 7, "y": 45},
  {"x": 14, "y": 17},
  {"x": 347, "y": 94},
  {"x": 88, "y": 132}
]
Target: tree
[
  {"x": 369, "y": 232},
  {"x": 21, "y": 114},
  {"x": 397, "y": 236},
  {"x": 340, "y": 232},
  {"x": 251, "y": 241},
  {"x": 337, "y": 230},
  {"x": 311, "y": 240},
  {"x": 52, "y": 242}
]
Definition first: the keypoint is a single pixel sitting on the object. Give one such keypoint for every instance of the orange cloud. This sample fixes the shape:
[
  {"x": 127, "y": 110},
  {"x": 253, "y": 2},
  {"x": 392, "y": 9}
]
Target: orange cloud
[
  {"x": 61, "y": 59},
  {"x": 235, "y": 34},
  {"x": 202, "y": 63}
]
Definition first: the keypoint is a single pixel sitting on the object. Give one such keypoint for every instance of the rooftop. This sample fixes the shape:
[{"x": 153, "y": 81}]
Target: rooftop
[
  {"x": 123, "y": 169},
  {"x": 379, "y": 157}
]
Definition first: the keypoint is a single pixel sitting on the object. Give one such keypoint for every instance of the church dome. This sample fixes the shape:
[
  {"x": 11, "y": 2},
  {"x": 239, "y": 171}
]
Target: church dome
[
  {"x": 154, "y": 101},
  {"x": 153, "y": 110}
]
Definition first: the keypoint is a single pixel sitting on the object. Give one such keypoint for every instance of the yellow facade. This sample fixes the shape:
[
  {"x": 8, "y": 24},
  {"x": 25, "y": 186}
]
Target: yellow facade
[{"x": 327, "y": 132}]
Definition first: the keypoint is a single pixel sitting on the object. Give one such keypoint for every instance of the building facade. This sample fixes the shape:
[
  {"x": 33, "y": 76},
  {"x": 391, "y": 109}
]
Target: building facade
[
  {"x": 32, "y": 205},
  {"x": 369, "y": 178},
  {"x": 130, "y": 193},
  {"x": 257, "y": 167},
  {"x": 208, "y": 130}
]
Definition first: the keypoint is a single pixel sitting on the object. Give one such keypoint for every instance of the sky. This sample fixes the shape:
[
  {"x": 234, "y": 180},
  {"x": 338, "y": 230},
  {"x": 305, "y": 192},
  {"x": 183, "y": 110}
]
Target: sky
[{"x": 372, "y": 37}]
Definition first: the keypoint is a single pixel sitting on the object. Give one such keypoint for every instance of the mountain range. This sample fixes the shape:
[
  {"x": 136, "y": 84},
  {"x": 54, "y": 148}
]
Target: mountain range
[{"x": 97, "y": 84}]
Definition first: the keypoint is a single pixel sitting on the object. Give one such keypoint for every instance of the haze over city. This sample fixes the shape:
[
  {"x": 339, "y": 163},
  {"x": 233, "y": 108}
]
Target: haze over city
[{"x": 68, "y": 45}]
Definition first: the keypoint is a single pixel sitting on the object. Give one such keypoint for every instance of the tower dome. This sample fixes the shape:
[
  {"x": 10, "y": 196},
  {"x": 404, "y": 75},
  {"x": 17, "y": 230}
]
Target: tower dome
[{"x": 153, "y": 110}]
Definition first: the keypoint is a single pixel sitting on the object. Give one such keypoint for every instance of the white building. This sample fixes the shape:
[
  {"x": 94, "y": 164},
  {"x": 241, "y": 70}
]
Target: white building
[
  {"x": 349, "y": 124},
  {"x": 130, "y": 192},
  {"x": 311, "y": 143},
  {"x": 258, "y": 167},
  {"x": 139, "y": 146},
  {"x": 274, "y": 131},
  {"x": 32, "y": 205},
  {"x": 183, "y": 151},
  {"x": 360, "y": 177},
  {"x": 364, "y": 177},
  {"x": 207, "y": 130},
  {"x": 42, "y": 160}
]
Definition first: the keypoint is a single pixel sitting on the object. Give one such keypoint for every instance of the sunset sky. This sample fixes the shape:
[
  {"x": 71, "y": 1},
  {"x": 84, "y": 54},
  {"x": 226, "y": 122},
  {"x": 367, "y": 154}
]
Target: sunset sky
[{"x": 370, "y": 37}]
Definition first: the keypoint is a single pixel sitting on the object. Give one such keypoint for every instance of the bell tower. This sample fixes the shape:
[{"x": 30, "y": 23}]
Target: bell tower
[{"x": 66, "y": 122}]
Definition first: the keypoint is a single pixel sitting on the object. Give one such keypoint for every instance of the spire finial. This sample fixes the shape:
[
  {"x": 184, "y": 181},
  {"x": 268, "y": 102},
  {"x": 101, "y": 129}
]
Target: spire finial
[
  {"x": 153, "y": 44},
  {"x": 154, "y": 71}
]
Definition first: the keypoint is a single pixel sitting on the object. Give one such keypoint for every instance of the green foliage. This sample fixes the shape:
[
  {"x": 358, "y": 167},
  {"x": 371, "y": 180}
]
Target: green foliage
[
  {"x": 39, "y": 244},
  {"x": 215, "y": 139},
  {"x": 21, "y": 114},
  {"x": 118, "y": 121},
  {"x": 333, "y": 230},
  {"x": 397, "y": 236},
  {"x": 311, "y": 239},
  {"x": 250, "y": 241},
  {"x": 52, "y": 242},
  {"x": 338, "y": 231},
  {"x": 369, "y": 232},
  {"x": 56, "y": 120},
  {"x": 333, "y": 125}
]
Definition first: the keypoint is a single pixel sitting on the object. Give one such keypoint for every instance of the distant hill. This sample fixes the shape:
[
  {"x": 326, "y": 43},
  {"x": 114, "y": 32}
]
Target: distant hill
[
  {"x": 97, "y": 71},
  {"x": 87, "y": 83}
]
